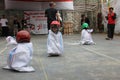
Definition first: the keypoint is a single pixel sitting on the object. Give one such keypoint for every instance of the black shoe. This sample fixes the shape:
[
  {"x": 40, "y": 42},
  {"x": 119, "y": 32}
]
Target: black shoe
[
  {"x": 107, "y": 38},
  {"x": 53, "y": 55}
]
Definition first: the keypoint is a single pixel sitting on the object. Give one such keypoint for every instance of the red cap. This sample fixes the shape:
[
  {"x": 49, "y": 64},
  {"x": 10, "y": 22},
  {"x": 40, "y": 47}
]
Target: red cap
[
  {"x": 23, "y": 36},
  {"x": 55, "y": 23}
]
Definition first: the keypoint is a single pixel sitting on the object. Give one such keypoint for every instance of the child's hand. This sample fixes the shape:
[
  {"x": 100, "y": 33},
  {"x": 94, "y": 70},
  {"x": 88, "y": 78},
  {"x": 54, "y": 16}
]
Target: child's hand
[
  {"x": 90, "y": 30},
  {"x": 8, "y": 39}
]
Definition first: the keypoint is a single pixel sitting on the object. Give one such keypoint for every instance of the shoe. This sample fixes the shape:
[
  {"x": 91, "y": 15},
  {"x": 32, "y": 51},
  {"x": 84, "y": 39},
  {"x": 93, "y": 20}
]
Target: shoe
[
  {"x": 107, "y": 38},
  {"x": 53, "y": 55}
]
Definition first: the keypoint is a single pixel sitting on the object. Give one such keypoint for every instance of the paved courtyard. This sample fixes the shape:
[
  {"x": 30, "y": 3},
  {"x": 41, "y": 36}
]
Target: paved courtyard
[{"x": 79, "y": 62}]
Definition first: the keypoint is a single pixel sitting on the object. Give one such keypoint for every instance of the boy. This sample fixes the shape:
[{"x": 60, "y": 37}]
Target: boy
[
  {"x": 111, "y": 17},
  {"x": 20, "y": 55},
  {"x": 55, "y": 40},
  {"x": 86, "y": 37},
  {"x": 51, "y": 14}
]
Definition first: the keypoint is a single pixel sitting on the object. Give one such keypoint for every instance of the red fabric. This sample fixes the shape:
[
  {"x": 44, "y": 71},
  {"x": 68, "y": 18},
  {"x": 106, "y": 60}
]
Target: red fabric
[
  {"x": 44, "y": 0},
  {"x": 110, "y": 19}
]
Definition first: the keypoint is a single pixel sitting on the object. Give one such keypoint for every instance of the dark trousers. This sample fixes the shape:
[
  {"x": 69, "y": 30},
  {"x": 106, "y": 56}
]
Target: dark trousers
[
  {"x": 48, "y": 24},
  {"x": 5, "y": 31},
  {"x": 110, "y": 32}
]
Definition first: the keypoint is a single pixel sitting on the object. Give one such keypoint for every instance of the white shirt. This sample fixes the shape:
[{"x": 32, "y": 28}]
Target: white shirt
[{"x": 3, "y": 22}]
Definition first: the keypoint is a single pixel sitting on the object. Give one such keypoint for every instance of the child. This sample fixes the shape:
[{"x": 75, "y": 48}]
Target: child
[
  {"x": 86, "y": 37},
  {"x": 20, "y": 55},
  {"x": 55, "y": 40}
]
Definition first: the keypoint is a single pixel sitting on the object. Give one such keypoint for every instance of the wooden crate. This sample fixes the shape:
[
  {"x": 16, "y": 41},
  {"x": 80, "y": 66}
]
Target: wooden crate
[{"x": 68, "y": 28}]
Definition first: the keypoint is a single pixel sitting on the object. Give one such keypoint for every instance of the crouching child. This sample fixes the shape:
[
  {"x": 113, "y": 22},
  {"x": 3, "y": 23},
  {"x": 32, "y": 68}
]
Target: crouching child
[
  {"x": 20, "y": 53},
  {"x": 86, "y": 37},
  {"x": 55, "y": 40}
]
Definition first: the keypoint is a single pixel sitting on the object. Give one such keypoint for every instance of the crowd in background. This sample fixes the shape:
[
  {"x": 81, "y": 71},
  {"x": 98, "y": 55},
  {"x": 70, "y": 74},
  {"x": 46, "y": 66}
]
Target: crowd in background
[{"x": 17, "y": 25}]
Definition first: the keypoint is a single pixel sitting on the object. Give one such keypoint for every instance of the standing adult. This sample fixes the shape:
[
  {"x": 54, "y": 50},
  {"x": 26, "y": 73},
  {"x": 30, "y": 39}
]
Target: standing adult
[
  {"x": 99, "y": 22},
  {"x": 4, "y": 25},
  {"x": 85, "y": 19},
  {"x": 24, "y": 23},
  {"x": 111, "y": 16},
  {"x": 51, "y": 14},
  {"x": 16, "y": 24}
]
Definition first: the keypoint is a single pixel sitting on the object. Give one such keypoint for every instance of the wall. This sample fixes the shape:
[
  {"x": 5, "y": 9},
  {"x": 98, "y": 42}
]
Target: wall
[{"x": 88, "y": 7}]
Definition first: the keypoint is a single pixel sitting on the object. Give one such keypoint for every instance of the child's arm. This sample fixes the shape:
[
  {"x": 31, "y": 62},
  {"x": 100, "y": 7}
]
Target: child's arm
[
  {"x": 11, "y": 41},
  {"x": 90, "y": 30}
]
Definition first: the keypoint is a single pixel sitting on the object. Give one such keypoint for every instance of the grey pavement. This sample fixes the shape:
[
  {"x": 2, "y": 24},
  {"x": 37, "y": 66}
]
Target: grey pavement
[{"x": 79, "y": 62}]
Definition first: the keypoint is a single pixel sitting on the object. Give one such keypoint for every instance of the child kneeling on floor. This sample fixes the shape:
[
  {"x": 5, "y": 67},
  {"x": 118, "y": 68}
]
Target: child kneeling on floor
[
  {"x": 20, "y": 55},
  {"x": 86, "y": 37},
  {"x": 55, "y": 40}
]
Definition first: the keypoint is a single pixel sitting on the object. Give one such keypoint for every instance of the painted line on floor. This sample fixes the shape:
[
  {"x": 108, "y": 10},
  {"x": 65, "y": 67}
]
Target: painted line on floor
[
  {"x": 103, "y": 55},
  {"x": 93, "y": 51},
  {"x": 3, "y": 50},
  {"x": 2, "y": 43},
  {"x": 43, "y": 68},
  {"x": 39, "y": 60},
  {"x": 75, "y": 43}
]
